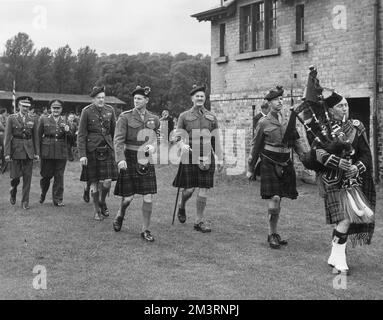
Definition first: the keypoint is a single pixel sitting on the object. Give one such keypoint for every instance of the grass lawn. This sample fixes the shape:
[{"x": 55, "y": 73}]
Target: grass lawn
[{"x": 86, "y": 259}]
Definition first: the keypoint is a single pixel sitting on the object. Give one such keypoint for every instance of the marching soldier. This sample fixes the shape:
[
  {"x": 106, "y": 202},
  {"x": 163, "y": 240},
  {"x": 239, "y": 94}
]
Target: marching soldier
[
  {"x": 133, "y": 155},
  {"x": 21, "y": 148},
  {"x": 95, "y": 146},
  {"x": 277, "y": 171},
  {"x": 53, "y": 135},
  {"x": 197, "y": 166}
]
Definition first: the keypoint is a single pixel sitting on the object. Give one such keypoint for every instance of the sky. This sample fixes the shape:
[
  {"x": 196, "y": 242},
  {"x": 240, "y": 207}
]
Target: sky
[{"x": 109, "y": 26}]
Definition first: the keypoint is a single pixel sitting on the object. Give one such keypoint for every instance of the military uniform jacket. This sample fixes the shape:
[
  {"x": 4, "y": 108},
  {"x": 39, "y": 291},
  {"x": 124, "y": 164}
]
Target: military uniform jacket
[
  {"x": 202, "y": 120},
  {"x": 53, "y": 138},
  {"x": 129, "y": 126},
  {"x": 270, "y": 131},
  {"x": 96, "y": 126},
  {"x": 21, "y": 138}
]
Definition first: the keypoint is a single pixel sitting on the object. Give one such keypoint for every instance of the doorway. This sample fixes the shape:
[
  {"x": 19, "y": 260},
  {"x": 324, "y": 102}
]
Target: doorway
[{"x": 360, "y": 110}]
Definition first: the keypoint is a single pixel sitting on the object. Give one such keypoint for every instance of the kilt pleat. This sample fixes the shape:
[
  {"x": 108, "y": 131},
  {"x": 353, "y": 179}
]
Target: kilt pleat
[
  {"x": 272, "y": 185},
  {"x": 130, "y": 182},
  {"x": 97, "y": 170}
]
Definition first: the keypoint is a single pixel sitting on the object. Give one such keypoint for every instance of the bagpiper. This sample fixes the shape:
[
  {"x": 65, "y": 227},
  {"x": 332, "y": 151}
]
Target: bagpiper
[
  {"x": 54, "y": 135},
  {"x": 278, "y": 179},
  {"x": 21, "y": 148},
  {"x": 95, "y": 147},
  {"x": 199, "y": 140},
  {"x": 346, "y": 184},
  {"x": 135, "y": 141}
]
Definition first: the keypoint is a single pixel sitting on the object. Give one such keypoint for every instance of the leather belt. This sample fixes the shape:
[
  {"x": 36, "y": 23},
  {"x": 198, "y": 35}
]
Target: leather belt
[
  {"x": 277, "y": 149},
  {"x": 132, "y": 147}
]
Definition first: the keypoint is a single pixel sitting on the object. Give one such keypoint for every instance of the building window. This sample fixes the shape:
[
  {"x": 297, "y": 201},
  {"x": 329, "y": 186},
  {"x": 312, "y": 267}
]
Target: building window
[
  {"x": 300, "y": 24},
  {"x": 222, "y": 39},
  {"x": 258, "y": 26}
]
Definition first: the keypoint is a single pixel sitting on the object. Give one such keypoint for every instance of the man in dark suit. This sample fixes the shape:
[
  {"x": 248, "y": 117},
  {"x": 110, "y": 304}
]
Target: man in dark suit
[
  {"x": 21, "y": 148},
  {"x": 265, "y": 109},
  {"x": 54, "y": 134}
]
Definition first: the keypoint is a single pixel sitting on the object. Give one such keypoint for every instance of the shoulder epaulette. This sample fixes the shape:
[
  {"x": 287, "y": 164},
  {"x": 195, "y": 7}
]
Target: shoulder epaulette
[
  {"x": 87, "y": 107},
  {"x": 127, "y": 111}
]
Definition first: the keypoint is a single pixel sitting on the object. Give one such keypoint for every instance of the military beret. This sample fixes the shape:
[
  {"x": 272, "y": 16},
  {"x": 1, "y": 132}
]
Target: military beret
[
  {"x": 274, "y": 93},
  {"x": 333, "y": 100},
  {"x": 141, "y": 91},
  {"x": 96, "y": 91},
  {"x": 25, "y": 101},
  {"x": 196, "y": 89},
  {"x": 56, "y": 103}
]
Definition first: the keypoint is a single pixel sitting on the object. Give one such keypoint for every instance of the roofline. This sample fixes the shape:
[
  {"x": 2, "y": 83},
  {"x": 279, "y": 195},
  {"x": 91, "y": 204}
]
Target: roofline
[{"x": 227, "y": 10}]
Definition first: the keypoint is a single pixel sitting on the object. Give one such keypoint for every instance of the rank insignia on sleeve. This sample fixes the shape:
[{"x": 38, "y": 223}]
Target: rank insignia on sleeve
[{"x": 209, "y": 117}]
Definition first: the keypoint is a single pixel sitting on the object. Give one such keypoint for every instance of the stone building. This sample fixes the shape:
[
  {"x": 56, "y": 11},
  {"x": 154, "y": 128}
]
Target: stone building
[{"x": 258, "y": 44}]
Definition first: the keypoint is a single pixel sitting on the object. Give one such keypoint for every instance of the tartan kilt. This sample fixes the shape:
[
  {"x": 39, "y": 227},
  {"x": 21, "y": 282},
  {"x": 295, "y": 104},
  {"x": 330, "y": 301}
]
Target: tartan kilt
[
  {"x": 334, "y": 213},
  {"x": 271, "y": 184},
  {"x": 98, "y": 170},
  {"x": 191, "y": 176},
  {"x": 130, "y": 182}
]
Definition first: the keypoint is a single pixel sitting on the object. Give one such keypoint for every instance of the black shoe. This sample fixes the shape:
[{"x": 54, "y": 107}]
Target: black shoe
[
  {"x": 85, "y": 196},
  {"x": 201, "y": 227},
  {"x": 104, "y": 210},
  {"x": 12, "y": 199},
  {"x": 117, "y": 223},
  {"x": 181, "y": 215},
  {"x": 281, "y": 242},
  {"x": 59, "y": 204},
  {"x": 42, "y": 198},
  {"x": 273, "y": 241},
  {"x": 147, "y": 236}
]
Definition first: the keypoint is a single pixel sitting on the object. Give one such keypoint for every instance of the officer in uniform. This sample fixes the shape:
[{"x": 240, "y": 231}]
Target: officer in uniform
[
  {"x": 95, "y": 147},
  {"x": 21, "y": 148},
  {"x": 278, "y": 178},
  {"x": 53, "y": 135},
  {"x": 135, "y": 141},
  {"x": 197, "y": 166}
]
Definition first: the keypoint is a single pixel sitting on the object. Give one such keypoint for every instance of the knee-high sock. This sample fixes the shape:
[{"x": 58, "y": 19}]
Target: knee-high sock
[
  {"x": 186, "y": 195},
  {"x": 147, "y": 208},
  {"x": 273, "y": 219},
  {"x": 201, "y": 205},
  {"x": 96, "y": 200},
  {"x": 104, "y": 192},
  {"x": 124, "y": 205}
]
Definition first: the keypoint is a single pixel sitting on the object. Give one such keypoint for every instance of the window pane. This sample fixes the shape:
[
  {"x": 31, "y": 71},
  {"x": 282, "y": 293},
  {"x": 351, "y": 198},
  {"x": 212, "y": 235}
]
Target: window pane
[
  {"x": 300, "y": 24},
  {"x": 260, "y": 26},
  {"x": 222, "y": 40},
  {"x": 246, "y": 30}
]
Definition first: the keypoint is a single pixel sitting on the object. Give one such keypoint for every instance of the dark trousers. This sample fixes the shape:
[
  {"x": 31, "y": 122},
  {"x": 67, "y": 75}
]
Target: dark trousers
[
  {"x": 53, "y": 168},
  {"x": 22, "y": 168}
]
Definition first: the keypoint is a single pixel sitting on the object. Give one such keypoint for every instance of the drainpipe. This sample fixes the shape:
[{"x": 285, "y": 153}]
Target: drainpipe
[{"x": 376, "y": 88}]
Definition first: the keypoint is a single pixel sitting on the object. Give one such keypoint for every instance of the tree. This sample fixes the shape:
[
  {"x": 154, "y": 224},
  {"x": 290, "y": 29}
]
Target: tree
[
  {"x": 18, "y": 56},
  {"x": 63, "y": 70},
  {"x": 86, "y": 73},
  {"x": 43, "y": 71}
]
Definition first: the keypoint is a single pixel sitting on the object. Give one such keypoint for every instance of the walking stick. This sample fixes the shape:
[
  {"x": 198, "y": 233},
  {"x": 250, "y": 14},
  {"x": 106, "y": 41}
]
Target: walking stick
[
  {"x": 175, "y": 205},
  {"x": 178, "y": 191}
]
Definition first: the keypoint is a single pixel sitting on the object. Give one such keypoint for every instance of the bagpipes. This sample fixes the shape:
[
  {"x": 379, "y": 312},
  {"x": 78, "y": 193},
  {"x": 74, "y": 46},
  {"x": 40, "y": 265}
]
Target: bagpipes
[{"x": 322, "y": 133}]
